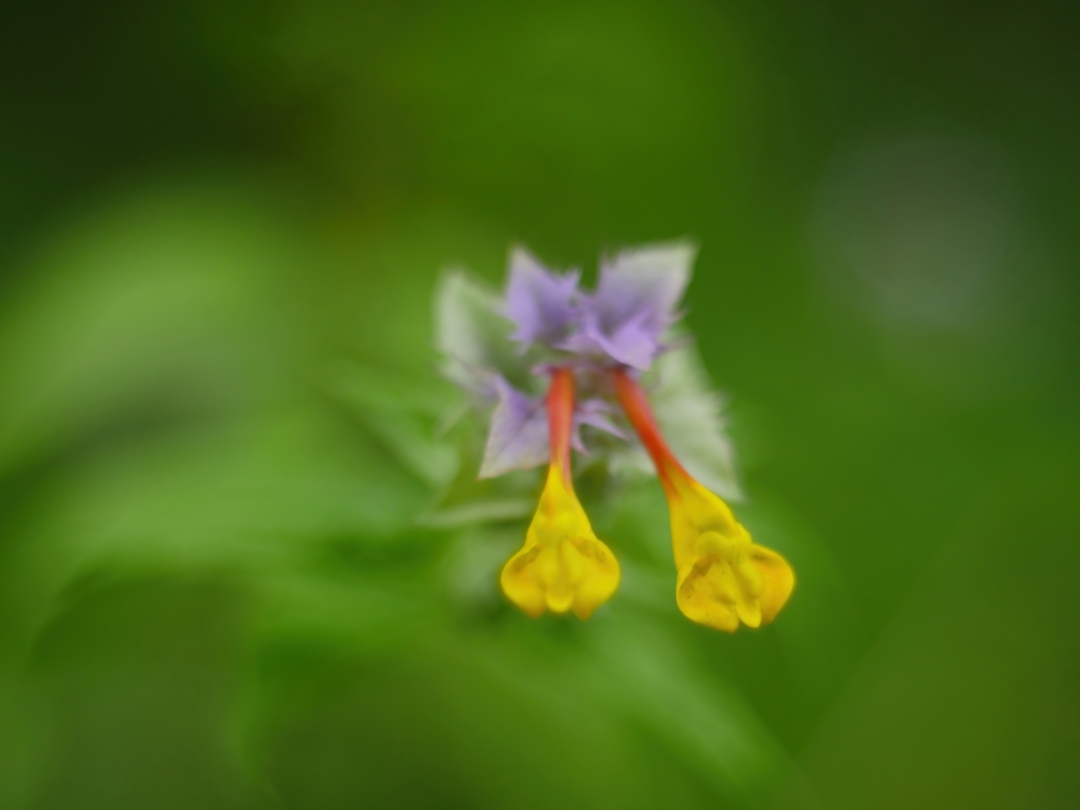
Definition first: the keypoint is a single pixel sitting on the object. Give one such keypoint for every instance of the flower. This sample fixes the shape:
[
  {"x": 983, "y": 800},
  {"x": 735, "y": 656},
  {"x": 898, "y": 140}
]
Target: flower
[
  {"x": 724, "y": 578},
  {"x": 591, "y": 348},
  {"x": 562, "y": 565}
]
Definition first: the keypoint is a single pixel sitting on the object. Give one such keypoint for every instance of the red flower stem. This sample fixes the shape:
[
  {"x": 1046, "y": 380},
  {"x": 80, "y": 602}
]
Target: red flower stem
[
  {"x": 560, "y": 402},
  {"x": 640, "y": 414}
]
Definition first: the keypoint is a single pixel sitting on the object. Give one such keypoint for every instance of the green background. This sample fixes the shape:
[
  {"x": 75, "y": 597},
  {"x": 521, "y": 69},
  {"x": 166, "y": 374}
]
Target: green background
[{"x": 220, "y": 228}]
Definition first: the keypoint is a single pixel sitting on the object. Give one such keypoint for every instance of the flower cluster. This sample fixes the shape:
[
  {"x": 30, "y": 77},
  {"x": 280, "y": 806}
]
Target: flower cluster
[{"x": 590, "y": 350}]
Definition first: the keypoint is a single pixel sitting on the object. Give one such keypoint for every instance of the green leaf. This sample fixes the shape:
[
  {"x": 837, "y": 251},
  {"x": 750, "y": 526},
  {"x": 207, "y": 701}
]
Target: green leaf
[
  {"x": 472, "y": 338},
  {"x": 691, "y": 416},
  {"x": 158, "y": 308},
  {"x": 402, "y": 414}
]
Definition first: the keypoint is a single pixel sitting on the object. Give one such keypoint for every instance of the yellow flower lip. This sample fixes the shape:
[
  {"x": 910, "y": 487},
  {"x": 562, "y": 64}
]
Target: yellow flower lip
[
  {"x": 724, "y": 578},
  {"x": 562, "y": 566}
]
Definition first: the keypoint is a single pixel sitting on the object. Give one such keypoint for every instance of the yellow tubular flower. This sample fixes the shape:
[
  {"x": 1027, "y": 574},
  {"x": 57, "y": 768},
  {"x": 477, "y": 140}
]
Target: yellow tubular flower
[
  {"x": 724, "y": 578},
  {"x": 562, "y": 566}
]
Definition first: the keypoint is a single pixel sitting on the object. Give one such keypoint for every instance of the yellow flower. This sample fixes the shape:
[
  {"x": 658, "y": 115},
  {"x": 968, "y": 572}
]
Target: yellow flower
[
  {"x": 724, "y": 578},
  {"x": 563, "y": 565}
]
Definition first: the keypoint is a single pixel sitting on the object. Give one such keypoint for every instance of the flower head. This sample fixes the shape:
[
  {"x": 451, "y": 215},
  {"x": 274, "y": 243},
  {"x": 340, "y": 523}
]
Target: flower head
[
  {"x": 562, "y": 565},
  {"x": 588, "y": 349},
  {"x": 724, "y": 578}
]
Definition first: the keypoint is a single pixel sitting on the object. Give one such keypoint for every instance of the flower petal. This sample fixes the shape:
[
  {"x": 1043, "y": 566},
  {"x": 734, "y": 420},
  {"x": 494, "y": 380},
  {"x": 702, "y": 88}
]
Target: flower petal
[
  {"x": 519, "y": 432},
  {"x": 541, "y": 304},
  {"x": 652, "y": 277},
  {"x": 631, "y": 342},
  {"x": 595, "y": 413},
  {"x": 634, "y": 303},
  {"x": 778, "y": 580}
]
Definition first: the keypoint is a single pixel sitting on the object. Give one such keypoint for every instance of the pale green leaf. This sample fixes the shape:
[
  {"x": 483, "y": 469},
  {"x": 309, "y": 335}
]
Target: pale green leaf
[
  {"x": 691, "y": 415},
  {"x": 402, "y": 414},
  {"x": 472, "y": 338}
]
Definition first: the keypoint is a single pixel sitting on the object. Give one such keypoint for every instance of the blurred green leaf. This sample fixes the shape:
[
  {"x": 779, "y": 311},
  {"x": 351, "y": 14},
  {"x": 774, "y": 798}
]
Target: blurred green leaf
[
  {"x": 471, "y": 335},
  {"x": 706, "y": 722},
  {"x": 403, "y": 415},
  {"x": 163, "y": 304}
]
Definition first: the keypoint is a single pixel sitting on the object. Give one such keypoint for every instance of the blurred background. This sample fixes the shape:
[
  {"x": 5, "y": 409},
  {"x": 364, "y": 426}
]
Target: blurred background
[{"x": 222, "y": 584}]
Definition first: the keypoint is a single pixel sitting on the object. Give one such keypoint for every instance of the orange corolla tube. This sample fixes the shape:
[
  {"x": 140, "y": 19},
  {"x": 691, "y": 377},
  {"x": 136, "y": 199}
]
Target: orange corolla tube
[
  {"x": 724, "y": 578},
  {"x": 562, "y": 566}
]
